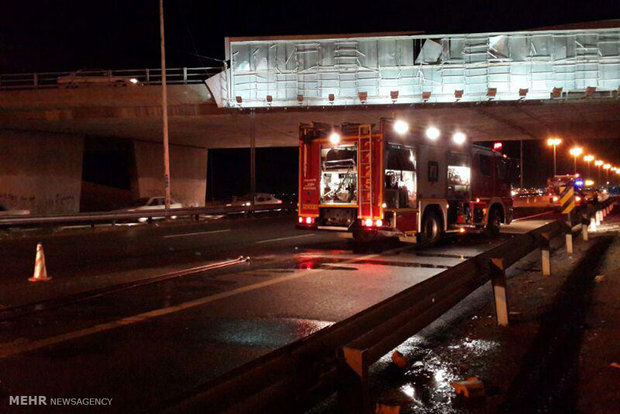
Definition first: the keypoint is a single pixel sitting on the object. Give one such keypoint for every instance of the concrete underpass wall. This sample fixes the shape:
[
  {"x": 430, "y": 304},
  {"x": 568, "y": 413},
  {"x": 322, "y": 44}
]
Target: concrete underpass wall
[
  {"x": 41, "y": 171},
  {"x": 188, "y": 171}
]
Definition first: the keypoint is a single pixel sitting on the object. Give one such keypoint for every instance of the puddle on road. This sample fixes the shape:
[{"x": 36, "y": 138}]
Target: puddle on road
[
  {"x": 330, "y": 263},
  {"x": 273, "y": 332},
  {"x": 424, "y": 388}
]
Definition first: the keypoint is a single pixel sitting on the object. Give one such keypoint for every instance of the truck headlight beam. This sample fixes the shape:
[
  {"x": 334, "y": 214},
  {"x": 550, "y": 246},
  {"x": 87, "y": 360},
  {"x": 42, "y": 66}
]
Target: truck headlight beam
[
  {"x": 432, "y": 133},
  {"x": 334, "y": 138},
  {"x": 401, "y": 127},
  {"x": 459, "y": 138}
]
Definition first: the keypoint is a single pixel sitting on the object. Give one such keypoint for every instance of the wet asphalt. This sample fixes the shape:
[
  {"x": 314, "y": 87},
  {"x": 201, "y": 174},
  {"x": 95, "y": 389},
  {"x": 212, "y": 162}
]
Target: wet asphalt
[{"x": 147, "y": 345}]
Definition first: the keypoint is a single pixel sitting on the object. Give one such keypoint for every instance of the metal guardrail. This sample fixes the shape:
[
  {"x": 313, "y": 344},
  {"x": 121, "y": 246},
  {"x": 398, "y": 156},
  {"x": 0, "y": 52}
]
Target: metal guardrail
[
  {"x": 337, "y": 358},
  {"x": 113, "y": 216},
  {"x": 146, "y": 76}
]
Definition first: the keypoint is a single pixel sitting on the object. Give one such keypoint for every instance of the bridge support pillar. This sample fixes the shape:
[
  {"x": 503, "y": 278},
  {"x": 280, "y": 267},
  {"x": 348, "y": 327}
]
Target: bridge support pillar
[
  {"x": 498, "y": 281},
  {"x": 188, "y": 172},
  {"x": 41, "y": 171}
]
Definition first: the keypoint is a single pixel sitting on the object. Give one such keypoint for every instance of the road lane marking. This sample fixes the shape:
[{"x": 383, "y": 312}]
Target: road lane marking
[
  {"x": 10, "y": 349},
  {"x": 195, "y": 234},
  {"x": 285, "y": 238}
]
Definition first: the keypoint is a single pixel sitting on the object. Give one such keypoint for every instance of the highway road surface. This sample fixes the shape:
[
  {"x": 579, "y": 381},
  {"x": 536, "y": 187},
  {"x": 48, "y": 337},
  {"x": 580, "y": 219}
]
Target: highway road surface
[{"x": 147, "y": 345}]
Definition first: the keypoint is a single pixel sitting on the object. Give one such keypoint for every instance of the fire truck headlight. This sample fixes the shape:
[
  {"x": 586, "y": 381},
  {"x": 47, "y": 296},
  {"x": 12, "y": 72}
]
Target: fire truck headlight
[
  {"x": 555, "y": 198},
  {"x": 577, "y": 198},
  {"x": 301, "y": 220},
  {"x": 379, "y": 223},
  {"x": 334, "y": 138},
  {"x": 308, "y": 220},
  {"x": 401, "y": 127},
  {"x": 459, "y": 138},
  {"x": 432, "y": 133},
  {"x": 368, "y": 223}
]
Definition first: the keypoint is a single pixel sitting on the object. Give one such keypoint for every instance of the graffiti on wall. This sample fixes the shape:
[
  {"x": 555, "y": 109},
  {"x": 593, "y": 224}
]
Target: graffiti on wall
[{"x": 58, "y": 203}]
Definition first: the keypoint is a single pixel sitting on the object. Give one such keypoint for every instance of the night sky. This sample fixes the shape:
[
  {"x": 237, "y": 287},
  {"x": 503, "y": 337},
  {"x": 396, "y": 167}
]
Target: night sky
[
  {"x": 47, "y": 35},
  {"x": 58, "y": 35}
]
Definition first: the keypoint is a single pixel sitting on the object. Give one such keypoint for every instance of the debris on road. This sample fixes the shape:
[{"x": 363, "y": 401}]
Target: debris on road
[
  {"x": 470, "y": 388},
  {"x": 399, "y": 360}
]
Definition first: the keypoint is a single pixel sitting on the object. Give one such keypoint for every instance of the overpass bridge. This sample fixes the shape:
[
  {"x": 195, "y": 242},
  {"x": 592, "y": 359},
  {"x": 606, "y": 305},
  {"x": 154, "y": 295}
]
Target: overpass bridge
[{"x": 514, "y": 85}]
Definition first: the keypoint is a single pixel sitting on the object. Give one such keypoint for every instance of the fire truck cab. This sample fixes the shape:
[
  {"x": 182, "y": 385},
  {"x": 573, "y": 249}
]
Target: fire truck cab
[{"x": 383, "y": 180}]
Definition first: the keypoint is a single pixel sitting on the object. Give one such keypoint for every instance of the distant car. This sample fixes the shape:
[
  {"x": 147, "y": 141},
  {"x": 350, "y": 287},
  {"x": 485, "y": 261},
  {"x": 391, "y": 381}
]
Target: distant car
[
  {"x": 5, "y": 212},
  {"x": 259, "y": 199},
  {"x": 151, "y": 203},
  {"x": 95, "y": 78}
]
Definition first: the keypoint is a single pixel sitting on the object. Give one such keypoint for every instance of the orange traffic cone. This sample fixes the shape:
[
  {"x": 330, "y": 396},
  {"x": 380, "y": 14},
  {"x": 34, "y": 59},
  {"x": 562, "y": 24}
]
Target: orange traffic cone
[{"x": 40, "y": 272}]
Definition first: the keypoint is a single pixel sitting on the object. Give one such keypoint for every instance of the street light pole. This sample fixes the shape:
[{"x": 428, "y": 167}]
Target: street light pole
[
  {"x": 575, "y": 165},
  {"x": 164, "y": 108},
  {"x": 598, "y": 164},
  {"x": 521, "y": 162},
  {"x": 554, "y": 142},
  {"x": 588, "y": 159},
  {"x": 576, "y": 152}
]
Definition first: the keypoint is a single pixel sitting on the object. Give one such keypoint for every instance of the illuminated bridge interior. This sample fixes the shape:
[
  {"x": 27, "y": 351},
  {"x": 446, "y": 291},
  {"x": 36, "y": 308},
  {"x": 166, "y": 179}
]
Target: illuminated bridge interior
[{"x": 385, "y": 69}]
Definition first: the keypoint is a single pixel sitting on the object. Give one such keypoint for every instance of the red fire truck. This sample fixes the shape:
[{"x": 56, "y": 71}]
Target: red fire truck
[{"x": 382, "y": 179}]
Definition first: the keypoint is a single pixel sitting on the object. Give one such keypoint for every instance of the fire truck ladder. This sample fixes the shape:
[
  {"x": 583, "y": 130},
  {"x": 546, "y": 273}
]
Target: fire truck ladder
[{"x": 365, "y": 195}]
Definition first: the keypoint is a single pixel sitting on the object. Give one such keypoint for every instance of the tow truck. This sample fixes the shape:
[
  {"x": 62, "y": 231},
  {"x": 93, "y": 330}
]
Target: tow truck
[{"x": 371, "y": 180}]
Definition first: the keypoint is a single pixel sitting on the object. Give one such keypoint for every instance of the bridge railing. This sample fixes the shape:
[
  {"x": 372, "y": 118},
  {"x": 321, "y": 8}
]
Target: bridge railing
[
  {"x": 119, "y": 77},
  {"x": 124, "y": 215}
]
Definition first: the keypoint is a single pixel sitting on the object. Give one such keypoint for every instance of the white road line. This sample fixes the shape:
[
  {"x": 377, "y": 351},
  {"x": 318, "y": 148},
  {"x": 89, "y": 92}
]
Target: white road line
[
  {"x": 195, "y": 234},
  {"x": 285, "y": 238},
  {"x": 9, "y": 349}
]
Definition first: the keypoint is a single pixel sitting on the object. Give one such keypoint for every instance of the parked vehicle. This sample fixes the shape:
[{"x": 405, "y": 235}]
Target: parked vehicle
[
  {"x": 259, "y": 199},
  {"x": 5, "y": 212},
  {"x": 370, "y": 180},
  {"x": 151, "y": 203}
]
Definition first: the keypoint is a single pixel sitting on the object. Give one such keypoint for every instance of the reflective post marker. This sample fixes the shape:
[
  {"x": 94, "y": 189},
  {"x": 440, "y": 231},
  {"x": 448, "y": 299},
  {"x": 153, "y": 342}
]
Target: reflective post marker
[
  {"x": 545, "y": 249},
  {"x": 498, "y": 280}
]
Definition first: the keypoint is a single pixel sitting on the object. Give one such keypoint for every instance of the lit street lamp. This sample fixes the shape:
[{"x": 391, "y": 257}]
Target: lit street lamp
[
  {"x": 598, "y": 164},
  {"x": 588, "y": 159},
  {"x": 575, "y": 152},
  {"x": 554, "y": 142},
  {"x": 606, "y": 167}
]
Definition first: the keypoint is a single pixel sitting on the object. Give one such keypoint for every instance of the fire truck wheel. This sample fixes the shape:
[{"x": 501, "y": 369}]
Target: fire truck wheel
[
  {"x": 431, "y": 229},
  {"x": 495, "y": 219},
  {"x": 364, "y": 236}
]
